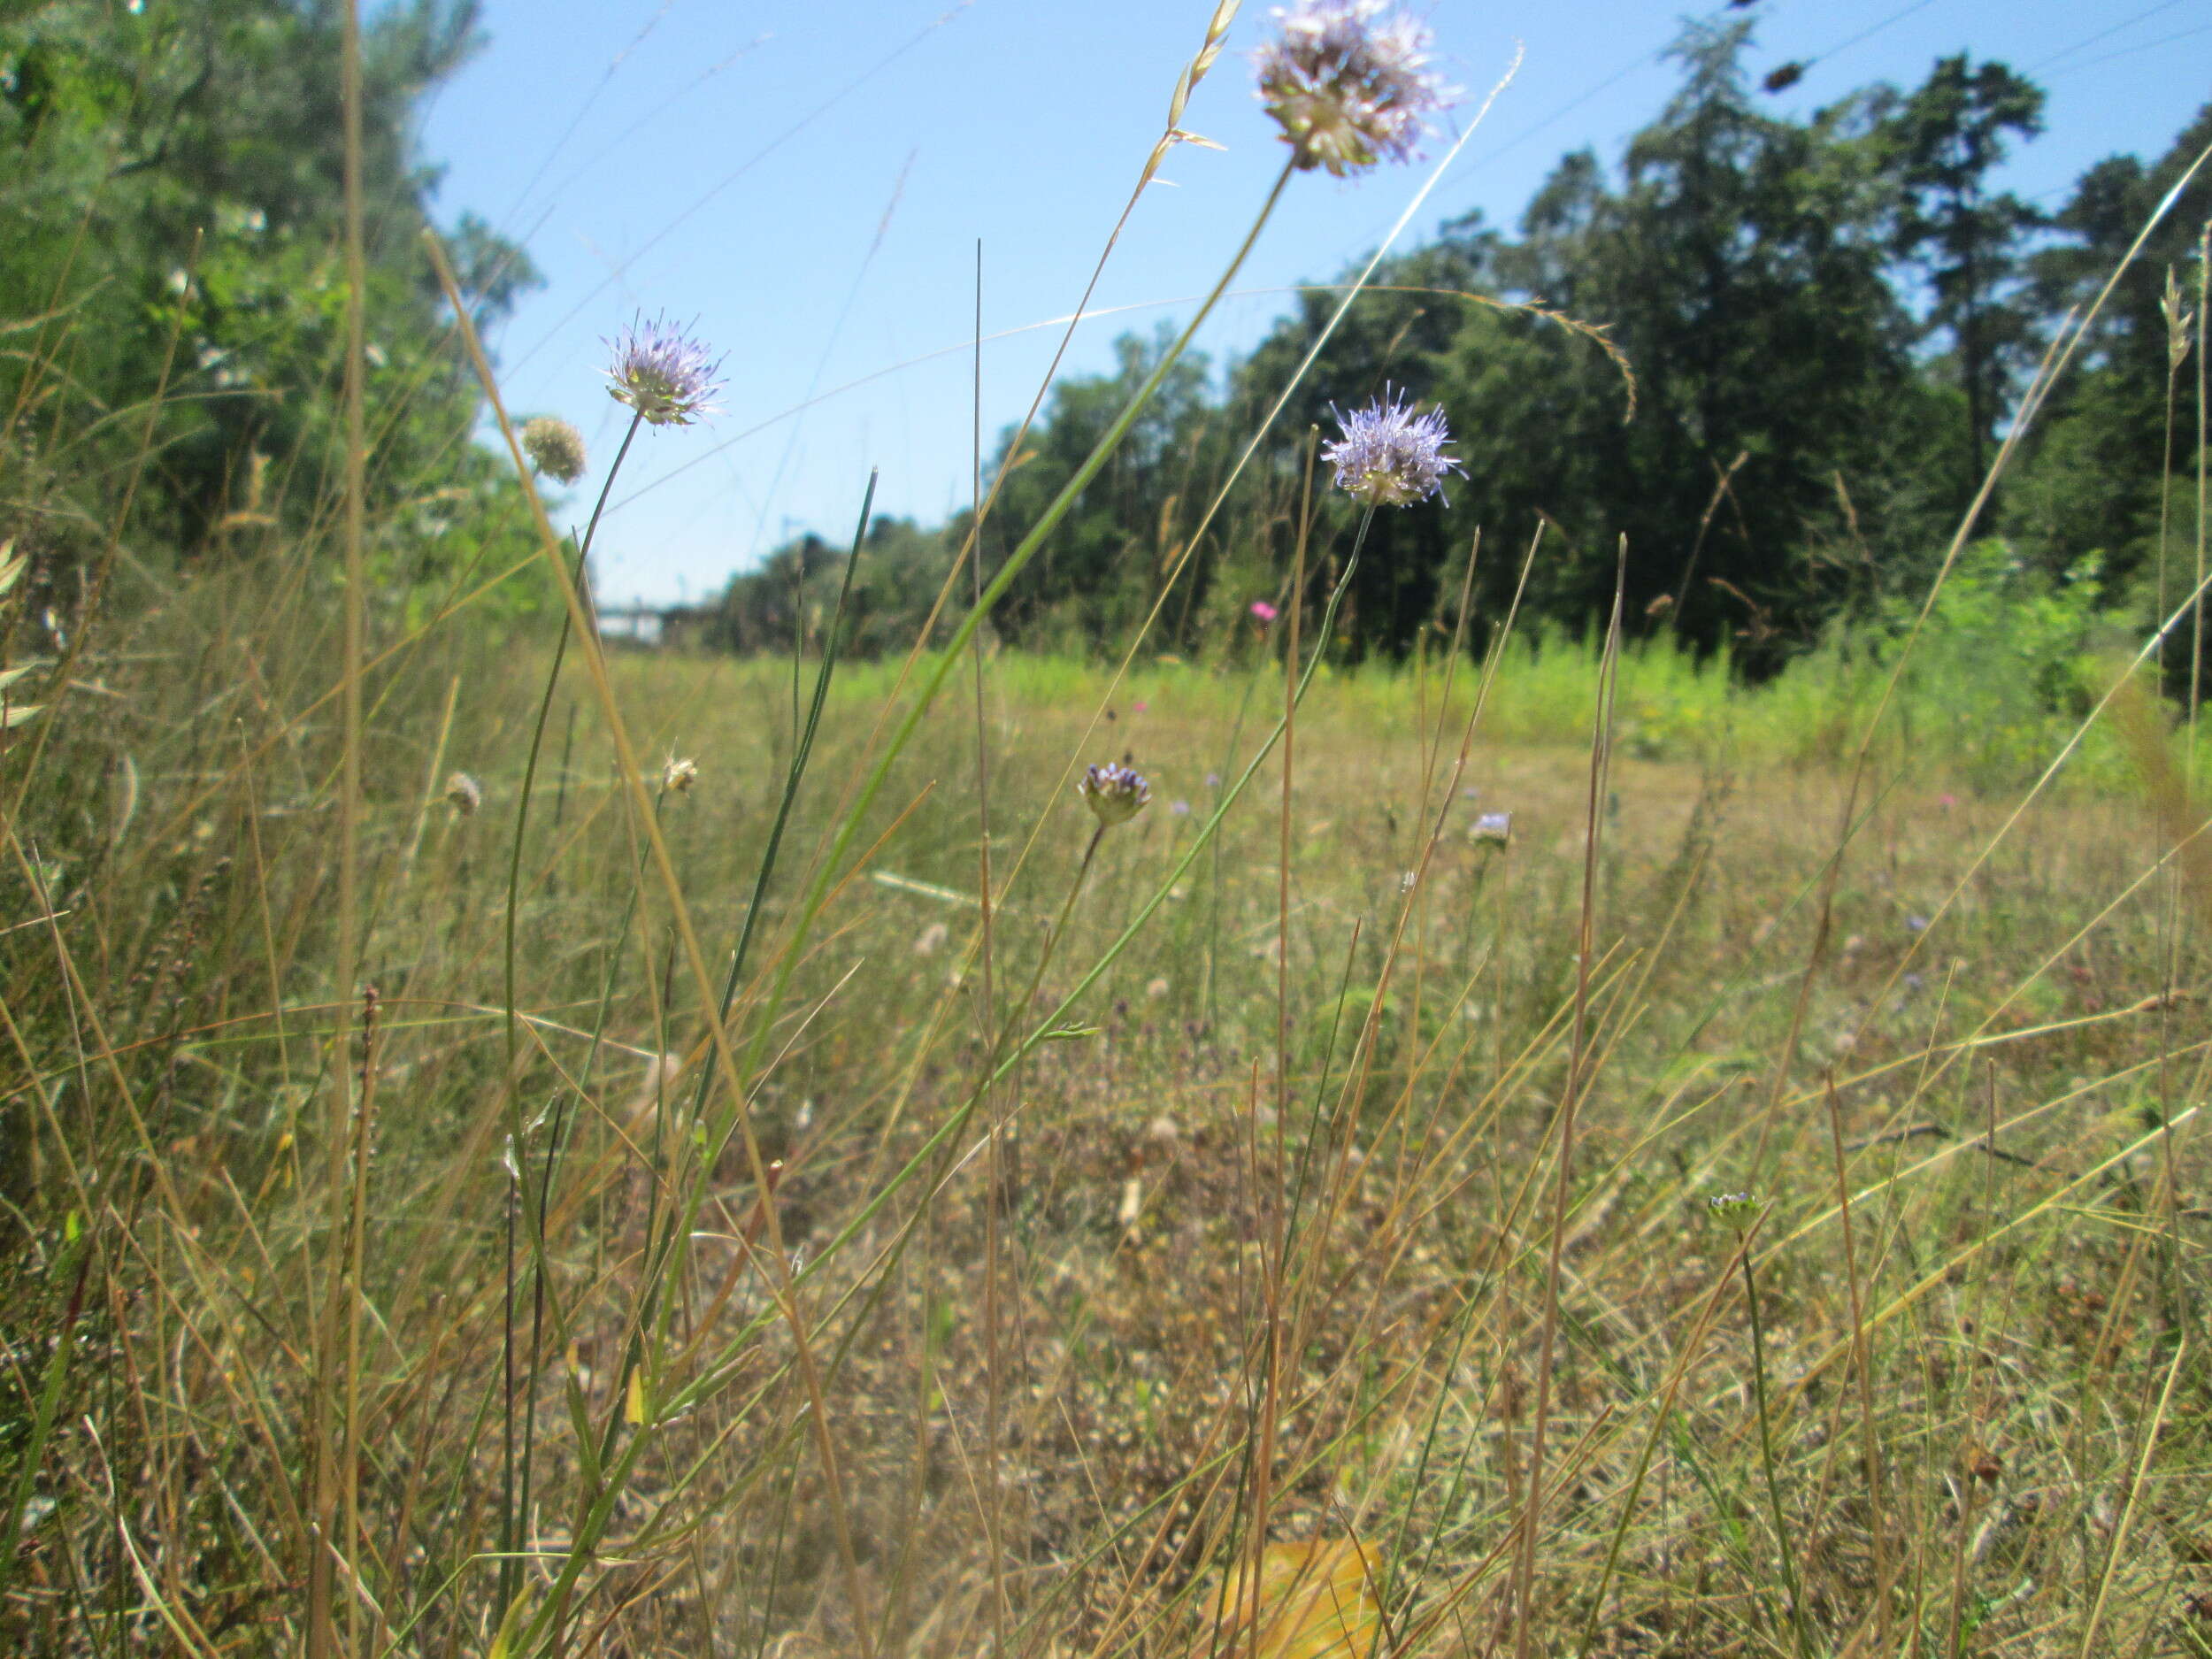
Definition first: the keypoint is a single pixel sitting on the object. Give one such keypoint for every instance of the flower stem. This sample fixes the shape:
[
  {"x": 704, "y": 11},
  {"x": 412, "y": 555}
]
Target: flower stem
[
  {"x": 510, "y": 1519},
  {"x": 1766, "y": 1460}
]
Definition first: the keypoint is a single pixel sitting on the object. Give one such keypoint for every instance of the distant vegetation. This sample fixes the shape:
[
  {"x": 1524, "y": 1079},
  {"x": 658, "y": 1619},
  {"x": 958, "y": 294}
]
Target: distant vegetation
[
  {"x": 1466, "y": 1137},
  {"x": 1815, "y": 334},
  {"x": 1830, "y": 324},
  {"x": 173, "y": 288}
]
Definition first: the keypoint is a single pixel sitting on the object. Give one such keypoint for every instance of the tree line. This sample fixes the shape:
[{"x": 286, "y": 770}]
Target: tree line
[{"x": 1772, "y": 358}]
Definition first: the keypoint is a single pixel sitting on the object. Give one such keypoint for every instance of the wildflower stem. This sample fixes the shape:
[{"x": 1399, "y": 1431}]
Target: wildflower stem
[
  {"x": 510, "y": 1518},
  {"x": 657, "y": 1305},
  {"x": 555, "y": 1143},
  {"x": 1766, "y": 1458},
  {"x": 1044, "y": 958},
  {"x": 333, "y": 1530}
]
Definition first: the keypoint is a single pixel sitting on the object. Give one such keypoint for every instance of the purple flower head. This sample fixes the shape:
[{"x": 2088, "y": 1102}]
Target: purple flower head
[
  {"x": 663, "y": 373},
  {"x": 1114, "y": 793},
  {"x": 1348, "y": 81},
  {"x": 1389, "y": 457},
  {"x": 1264, "y": 611}
]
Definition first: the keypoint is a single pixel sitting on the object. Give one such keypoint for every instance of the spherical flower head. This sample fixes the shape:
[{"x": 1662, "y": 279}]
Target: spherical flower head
[
  {"x": 1738, "y": 1209},
  {"x": 555, "y": 448},
  {"x": 663, "y": 373},
  {"x": 1114, "y": 794},
  {"x": 679, "y": 775},
  {"x": 1348, "y": 81},
  {"x": 1494, "y": 827},
  {"x": 1264, "y": 611},
  {"x": 1389, "y": 457},
  {"x": 465, "y": 794}
]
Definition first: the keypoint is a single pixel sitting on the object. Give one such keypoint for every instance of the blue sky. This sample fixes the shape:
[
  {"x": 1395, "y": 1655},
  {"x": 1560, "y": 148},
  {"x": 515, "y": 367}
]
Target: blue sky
[{"x": 809, "y": 182}]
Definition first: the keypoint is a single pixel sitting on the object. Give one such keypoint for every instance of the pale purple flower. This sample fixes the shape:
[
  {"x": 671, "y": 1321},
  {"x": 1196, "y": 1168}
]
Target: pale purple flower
[
  {"x": 663, "y": 373},
  {"x": 1348, "y": 81},
  {"x": 1114, "y": 793},
  {"x": 1493, "y": 827},
  {"x": 1181, "y": 809},
  {"x": 1389, "y": 457},
  {"x": 1264, "y": 611}
]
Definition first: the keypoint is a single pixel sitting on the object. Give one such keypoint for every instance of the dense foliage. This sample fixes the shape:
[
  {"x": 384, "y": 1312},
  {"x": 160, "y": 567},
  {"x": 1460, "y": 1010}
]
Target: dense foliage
[
  {"x": 173, "y": 287},
  {"x": 1830, "y": 324}
]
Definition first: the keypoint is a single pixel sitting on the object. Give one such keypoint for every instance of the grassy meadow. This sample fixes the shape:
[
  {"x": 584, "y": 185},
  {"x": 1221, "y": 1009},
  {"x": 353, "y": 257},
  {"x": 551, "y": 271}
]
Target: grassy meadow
[
  {"x": 1226, "y": 1212},
  {"x": 517, "y": 1144}
]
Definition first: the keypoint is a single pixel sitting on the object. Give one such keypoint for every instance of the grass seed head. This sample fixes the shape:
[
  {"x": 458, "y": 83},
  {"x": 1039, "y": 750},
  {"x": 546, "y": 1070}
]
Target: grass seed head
[{"x": 555, "y": 448}]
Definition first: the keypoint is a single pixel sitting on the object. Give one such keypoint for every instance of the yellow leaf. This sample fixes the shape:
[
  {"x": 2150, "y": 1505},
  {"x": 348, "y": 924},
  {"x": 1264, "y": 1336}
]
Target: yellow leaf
[
  {"x": 633, "y": 1404},
  {"x": 1315, "y": 1600}
]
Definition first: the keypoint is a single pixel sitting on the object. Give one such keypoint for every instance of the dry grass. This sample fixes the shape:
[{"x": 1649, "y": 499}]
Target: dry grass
[
  {"x": 2014, "y": 1464},
  {"x": 1223, "y": 1220}
]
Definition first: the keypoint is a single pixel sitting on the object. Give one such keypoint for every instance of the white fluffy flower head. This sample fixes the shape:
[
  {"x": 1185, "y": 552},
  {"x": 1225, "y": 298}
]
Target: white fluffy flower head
[{"x": 555, "y": 448}]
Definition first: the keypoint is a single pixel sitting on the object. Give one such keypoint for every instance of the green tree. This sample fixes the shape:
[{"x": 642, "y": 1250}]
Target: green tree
[
  {"x": 787, "y": 599},
  {"x": 2092, "y": 478},
  {"x": 1107, "y": 560},
  {"x": 176, "y": 171},
  {"x": 1939, "y": 144},
  {"x": 1736, "y": 261}
]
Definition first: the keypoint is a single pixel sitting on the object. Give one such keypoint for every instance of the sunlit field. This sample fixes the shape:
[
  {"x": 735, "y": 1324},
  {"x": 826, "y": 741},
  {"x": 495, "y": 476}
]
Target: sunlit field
[
  {"x": 1242, "y": 1243},
  {"x": 1291, "y": 1095}
]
